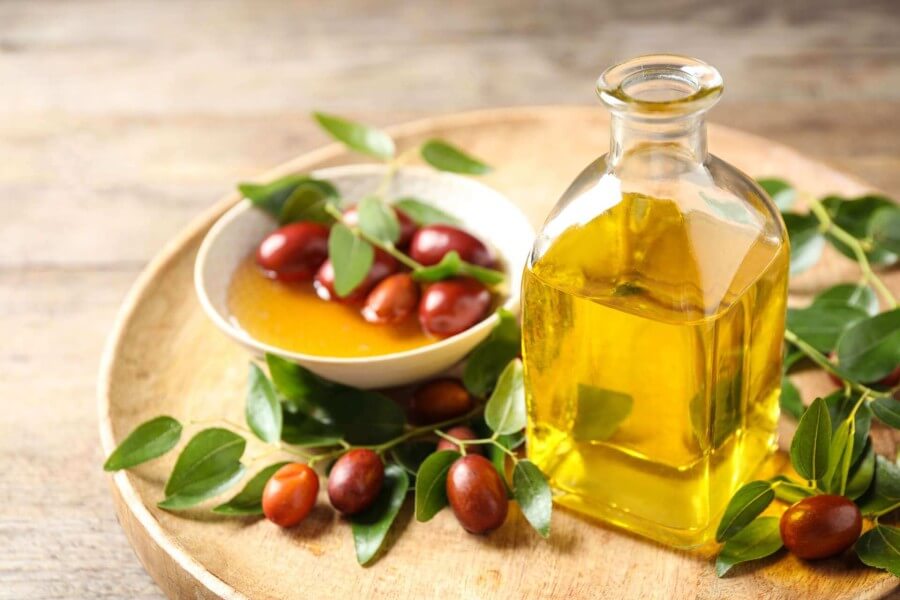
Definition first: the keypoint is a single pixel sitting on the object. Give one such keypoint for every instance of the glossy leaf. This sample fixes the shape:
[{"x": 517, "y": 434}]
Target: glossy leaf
[
  {"x": 869, "y": 349},
  {"x": 272, "y": 196},
  {"x": 490, "y": 357},
  {"x": 441, "y": 155},
  {"x": 209, "y": 460},
  {"x": 262, "y": 408},
  {"x": 880, "y": 548},
  {"x": 839, "y": 409},
  {"x": 759, "y": 539},
  {"x": 812, "y": 442},
  {"x": 857, "y": 217},
  {"x": 789, "y": 490},
  {"x": 364, "y": 417},
  {"x": 807, "y": 242},
  {"x": 351, "y": 257},
  {"x": 305, "y": 431},
  {"x": 790, "y": 400},
  {"x": 249, "y": 500},
  {"x": 149, "y": 440},
  {"x": 781, "y": 192},
  {"x": 431, "y": 484},
  {"x": 505, "y": 409},
  {"x": 378, "y": 221},
  {"x": 356, "y": 136},
  {"x": 887, "y": 410},
  {"x": 423, "y": 213},
  {"x": 300, "y": 389},
  {"x": 451, "y": 265},
  {"x": 822, "y": 325},
  {"x": 307, "y": 203},
  {"x": 839, "y": 452},
  {"x": 498, "y": 457},
  {"x": 885, "y": 229},
  {"x": 862, "y": 474},
  {"x": 199, "y": 490},
  {"x": 746, "y": 504},
  {"x": 410, "y": 455},
  {"x": 848, "y": 294},
  {"x": 599, "y": 413},
  {"x": 371, "y": 527},
  {"x": 532, "y": 492},
  {"x": 885, "y": 490}
]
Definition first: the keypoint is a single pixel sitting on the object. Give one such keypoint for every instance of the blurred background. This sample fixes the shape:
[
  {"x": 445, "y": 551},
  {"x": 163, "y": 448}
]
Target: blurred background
[{"x": 121, "y": 121}]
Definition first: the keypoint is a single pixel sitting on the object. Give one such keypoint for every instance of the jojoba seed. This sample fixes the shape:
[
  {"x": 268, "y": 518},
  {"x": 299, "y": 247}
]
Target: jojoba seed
[
  {"x": 451, "y": 306},
  {"x": 383, "y": 265},
  {"x": 820, "y": 526},
  {"x": 460, "y": 432},
  {"x": 290, "y": 494},
  {"x": 355, "y": 481},
  {"x": 432, "y": 242},
  {"x": 392, "y": 300},
  {"x": 294, "y": 252},
  {"x": 407, "y": 226},
  {"x": 477, "y": 494},
  {"x": 439, "y": 400}
]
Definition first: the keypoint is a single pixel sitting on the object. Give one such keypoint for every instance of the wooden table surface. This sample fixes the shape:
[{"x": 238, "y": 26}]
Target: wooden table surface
[{"x": 121, "y": 121}]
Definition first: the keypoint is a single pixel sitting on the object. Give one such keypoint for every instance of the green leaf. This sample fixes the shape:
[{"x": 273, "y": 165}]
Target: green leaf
[
  {"x": 887, "y": 410},
  {"x": 869, "y": 349},
  {"x": 789, "y": 490},
  {"x": 307, "y": 203},
  {"x": 759, "y": 539},
  {"x": 792, "y": 358},
  {"x": 202, "y": 489},
  {"x": 746, "y": 504},
  {"x": 441, "y": 155},
  {"x": 532, "y": 492},
  {"x": 451, "y": 265},
  {"x": 885, "y": 229},
  {"x": 505, "y": 409},
  {"x": 880, "y": 548},
  {"x": 781, "y": 192},
  {"x": 271, "y": 197},
  {"x": 839, "y": 452},
  {"x": 149, "y": 440},
  {"x": 857, "y": 217},
  {"x": 490, "y": 357},
  {"x": 600, "y": 412},
  {"x": 300, "y": 388},
  {"x": 249, "y": 500},
  {"x": 211, "y": 453},
  {"x": 372, "y": 525},
  {"x": 307, "y": 432},
  {"x": 839, "y": 408},
  {"x": 498, "y": 457},
  {"x": 410, "y": 455},
  {"x": 423, "y": 213},
  {"x": 807, "y": 242},
  {"x": 351, "y": 257},
  {"x": 812, "y": 441},
  {"x": 822, "y": 325},
  {"x": 364, "y": 417},
  {"x": 862, "y": 474},
  {"x": 790, "y": 400},
  {"x": 848, "y": 294},
  {"x": 377, "y": 220},
  {"x": 431, "y": 484},
  {"x": 356, "y": 136},
  {"x": 885, "y": 490},
  {"x": 262, "y": 410}
]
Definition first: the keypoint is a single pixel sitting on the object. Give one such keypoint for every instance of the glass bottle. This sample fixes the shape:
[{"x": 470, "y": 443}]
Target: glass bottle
[{"x": 653, "y": 316}]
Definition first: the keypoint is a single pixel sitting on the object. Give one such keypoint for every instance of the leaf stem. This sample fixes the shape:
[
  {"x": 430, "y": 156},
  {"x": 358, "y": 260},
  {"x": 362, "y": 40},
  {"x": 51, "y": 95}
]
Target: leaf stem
[
  {"x": 478, "y": 442},
  {"x": 821, "y": 360},
  {"x": 389, "y": 248},
  {"x": 885, "y": 511}
]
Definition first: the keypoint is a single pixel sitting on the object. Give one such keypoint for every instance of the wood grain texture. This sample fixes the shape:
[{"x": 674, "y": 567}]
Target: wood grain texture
[
  {"x": 165, "y": 357},
  {"x": 121, "y": 121}
]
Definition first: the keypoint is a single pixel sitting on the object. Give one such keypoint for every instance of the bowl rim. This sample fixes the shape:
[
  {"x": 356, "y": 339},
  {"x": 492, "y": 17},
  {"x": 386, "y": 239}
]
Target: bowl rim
[{"x": 511, "y": 303}]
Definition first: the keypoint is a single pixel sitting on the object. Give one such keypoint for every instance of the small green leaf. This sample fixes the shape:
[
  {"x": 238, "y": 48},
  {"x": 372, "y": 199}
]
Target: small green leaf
[
  {"x": 862, "y": 474},
  {"x": 789, "y": 490},
  {"x": 848, "y": 294},
  {"x": 452, "y": 266},
  {"x": 600, "y": 412},
  {"x": 441, "y": 155},
  {"x": 370, "y": 527},
  {"x": 377, "y": 220},
  {"x": 781, "y": 192},
  {"x": 885, "y": 229},
  {"x": 807, "y": 242},
  {"x": 880, "y": 548},
  {"x": 812, "y": 441},
  {"x": 887, "y": 410},
  {"x": 356, "y": 136},
  {"x": 839, "y": 408},
  {"x": 211, "y": 453},
  {"x": 305, "y": 431},
  {"x": 300, "y": 389},
  {"x": 199, "y": 490},
  {"x": 271, "y": 197},
  {"x": 857, "y": 217},
  {"x": 423, "y": 213},
  {"x": 307, "y": 203},
  {"x": 149, "y": 440},
  {"x": 759, "y": 539},
  {"x": 498, "y": 457},
  {"x": 839, "y": 451},
  {"x": 263, "y": 410},
  {"x": 363, "y": 417},
  {"x": 249, "y": 500},
  {"x": 822, "y": 325},
  {"x": 532, "y": 492},
  {"x": 746, "y": 504},
  {"x": 869, "y": 349},
  {"x": 431, "y": 484},
  {"x": 885, "y": 490},
  {"x": 790, "y": 400},
  {"x": 490, "y": 357},
  {"x": 351, "y": 257},
  {"x": 505, "y": 410}
]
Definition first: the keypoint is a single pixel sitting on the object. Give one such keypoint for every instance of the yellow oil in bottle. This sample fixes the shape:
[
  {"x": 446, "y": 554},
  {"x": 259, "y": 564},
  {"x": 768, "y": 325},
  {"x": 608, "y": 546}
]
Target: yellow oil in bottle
[{"x": 652, "y": 340}]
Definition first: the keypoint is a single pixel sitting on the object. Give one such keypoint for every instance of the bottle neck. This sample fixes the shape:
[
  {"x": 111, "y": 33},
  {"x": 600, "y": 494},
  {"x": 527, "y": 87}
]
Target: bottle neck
[{"x": 682, "y": 138}]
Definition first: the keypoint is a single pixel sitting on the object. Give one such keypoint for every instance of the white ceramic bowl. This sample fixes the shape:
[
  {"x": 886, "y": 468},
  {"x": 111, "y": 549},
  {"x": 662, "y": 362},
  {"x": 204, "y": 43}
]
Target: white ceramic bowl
[{"x": 482, "y": 210}]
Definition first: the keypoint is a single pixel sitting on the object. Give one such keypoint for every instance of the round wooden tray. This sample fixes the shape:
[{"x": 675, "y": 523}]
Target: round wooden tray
[{"x": 165, "y": 357}]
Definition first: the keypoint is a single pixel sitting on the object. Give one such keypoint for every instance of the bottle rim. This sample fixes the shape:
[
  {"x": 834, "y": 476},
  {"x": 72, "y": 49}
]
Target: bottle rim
[{"x": 660, "y": 85}]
